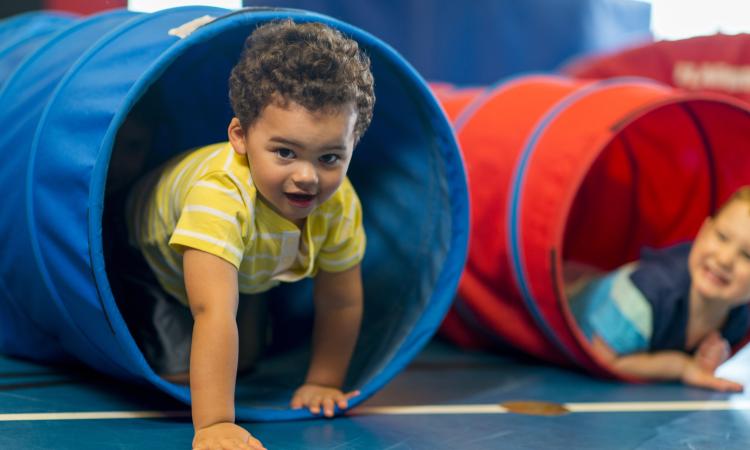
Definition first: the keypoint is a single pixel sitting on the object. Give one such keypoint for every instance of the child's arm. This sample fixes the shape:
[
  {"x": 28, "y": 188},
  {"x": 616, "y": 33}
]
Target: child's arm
[
  {"x": 338, "y": 313},
  {"x": 664, "y": 365},
  {"x": 211, "y": 285},
  {"x": 576, "y": 276}
]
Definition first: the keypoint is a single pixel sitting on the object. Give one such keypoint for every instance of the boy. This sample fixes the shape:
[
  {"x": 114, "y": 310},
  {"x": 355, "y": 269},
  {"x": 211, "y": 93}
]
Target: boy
[
  {"x": 673, "y": 314},
  {"x": 273, "y": 204}
]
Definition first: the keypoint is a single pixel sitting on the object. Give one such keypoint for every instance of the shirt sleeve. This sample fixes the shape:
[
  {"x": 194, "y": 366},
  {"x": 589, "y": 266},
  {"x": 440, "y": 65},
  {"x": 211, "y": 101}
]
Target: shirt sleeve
[
  {"x": 612, "y": 308},
  {"x": 344, "y": 246},
  {"x": 215, "y": 219}
]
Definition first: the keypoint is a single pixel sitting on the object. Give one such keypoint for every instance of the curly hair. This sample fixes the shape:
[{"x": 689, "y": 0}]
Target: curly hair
[{"x": 308, "y": 63}]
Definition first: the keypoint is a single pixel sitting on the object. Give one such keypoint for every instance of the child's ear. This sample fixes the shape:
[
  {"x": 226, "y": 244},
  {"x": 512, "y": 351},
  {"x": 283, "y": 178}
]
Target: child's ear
[{"x": 237, "y": 136}]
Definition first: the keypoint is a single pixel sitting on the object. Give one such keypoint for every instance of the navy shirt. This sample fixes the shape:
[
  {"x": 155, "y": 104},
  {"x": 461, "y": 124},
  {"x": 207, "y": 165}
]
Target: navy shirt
[{"x": 663, "y": 278}]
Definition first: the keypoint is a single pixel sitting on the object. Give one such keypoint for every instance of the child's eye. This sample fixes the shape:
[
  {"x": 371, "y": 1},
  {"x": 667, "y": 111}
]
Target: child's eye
[
  {"x": 721, "y": 236},
  {"x": 284, "y": 153},
  {"x": 330, "y": 159},
  {"x": 745, "y": 255}
]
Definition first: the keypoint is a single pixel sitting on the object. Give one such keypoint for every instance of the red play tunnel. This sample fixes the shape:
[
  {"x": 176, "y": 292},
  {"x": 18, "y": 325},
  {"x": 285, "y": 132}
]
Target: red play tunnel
[
  {"x": 563, "y": 169},
  {"x": 717, "y": 63}
]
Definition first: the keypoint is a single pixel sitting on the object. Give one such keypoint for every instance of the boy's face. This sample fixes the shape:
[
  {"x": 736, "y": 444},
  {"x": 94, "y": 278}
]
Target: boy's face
[
  {"x": 719, "y": 261},
  {"x": 297, "y": 158}
]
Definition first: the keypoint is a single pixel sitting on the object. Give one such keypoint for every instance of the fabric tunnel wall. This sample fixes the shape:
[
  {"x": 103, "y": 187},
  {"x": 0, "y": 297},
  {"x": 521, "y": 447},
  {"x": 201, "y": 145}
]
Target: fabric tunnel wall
[
  {"x": 571, "y": 170},
  {"x": 22, "y": 34},
  {"x": 715, "y": 63},
  {"x": 63, "y": 111}
]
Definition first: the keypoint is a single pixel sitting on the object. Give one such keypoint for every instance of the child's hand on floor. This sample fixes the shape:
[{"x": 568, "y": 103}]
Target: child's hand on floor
[
  {"x": 695, "y": 375},
  {"x": 699, "y": 370},
  {"x": 225, "y": 435},
  {"x": 315, "y": 397}
]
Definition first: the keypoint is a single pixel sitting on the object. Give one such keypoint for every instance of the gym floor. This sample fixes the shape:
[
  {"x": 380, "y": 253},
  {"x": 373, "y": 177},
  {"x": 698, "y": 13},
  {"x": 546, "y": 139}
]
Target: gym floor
[{"x": 446, "y": 399}]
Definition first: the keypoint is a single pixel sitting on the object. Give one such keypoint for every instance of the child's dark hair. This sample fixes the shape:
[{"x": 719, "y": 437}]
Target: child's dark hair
[{"x": 310, "y": 64}]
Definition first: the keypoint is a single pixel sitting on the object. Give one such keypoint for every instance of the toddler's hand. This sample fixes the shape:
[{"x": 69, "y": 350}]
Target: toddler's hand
[
  {"x": 225, "y": 436},
  {"x": 697, "y": 375},
  {"x": 712, "y": 352},
  {"x": 315, "y": 397}
]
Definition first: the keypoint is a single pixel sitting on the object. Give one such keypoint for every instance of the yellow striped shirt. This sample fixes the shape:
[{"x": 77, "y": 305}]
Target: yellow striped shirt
[{"x": 205, "y": 199}]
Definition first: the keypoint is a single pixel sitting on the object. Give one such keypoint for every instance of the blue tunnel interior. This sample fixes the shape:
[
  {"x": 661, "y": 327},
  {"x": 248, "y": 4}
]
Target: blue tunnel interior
[{"x": 140, "y": 84}]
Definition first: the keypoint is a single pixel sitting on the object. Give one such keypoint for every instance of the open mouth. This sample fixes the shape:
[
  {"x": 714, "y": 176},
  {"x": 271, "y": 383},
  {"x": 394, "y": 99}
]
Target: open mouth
[{"x": 300, "y": 200}]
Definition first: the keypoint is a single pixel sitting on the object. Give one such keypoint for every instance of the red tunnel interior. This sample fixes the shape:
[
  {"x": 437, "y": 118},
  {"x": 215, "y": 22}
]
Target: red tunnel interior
[{"x": 657, "y": 180}]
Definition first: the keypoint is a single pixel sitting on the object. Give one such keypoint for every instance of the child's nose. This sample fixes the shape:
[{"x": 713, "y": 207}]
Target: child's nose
[
  {"x": 725, "y": 256},
  {"x": 305, "y": 175}
]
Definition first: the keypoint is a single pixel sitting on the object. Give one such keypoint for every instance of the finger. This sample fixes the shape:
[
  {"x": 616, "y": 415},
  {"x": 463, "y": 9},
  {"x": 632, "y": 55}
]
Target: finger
[
  {"x": 297, "y": 402},
  {"x": 328, "y": 407},
  {"x": 253, "y": 442},
  {"x": 257, "y": 446},
  {"x": 342, "y": 402},
  {"x": 730, "y": 386},
  {"x": 314, "y": 404},
  {"x": 720, "y": 384},
  {"x": 352, "y": 394}
]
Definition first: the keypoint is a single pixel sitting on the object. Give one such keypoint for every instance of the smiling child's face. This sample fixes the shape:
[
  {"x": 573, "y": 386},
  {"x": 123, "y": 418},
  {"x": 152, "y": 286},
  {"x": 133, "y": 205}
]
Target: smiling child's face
[
  {"x": 297, "y": 158},
  {"x": 719, "y": 260}
]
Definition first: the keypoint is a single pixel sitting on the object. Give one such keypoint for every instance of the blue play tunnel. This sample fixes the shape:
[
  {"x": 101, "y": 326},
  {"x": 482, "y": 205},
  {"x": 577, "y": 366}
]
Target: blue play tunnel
[
  {"x": 21, "y": 35},
  {"x": 61, "y": 111}
]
